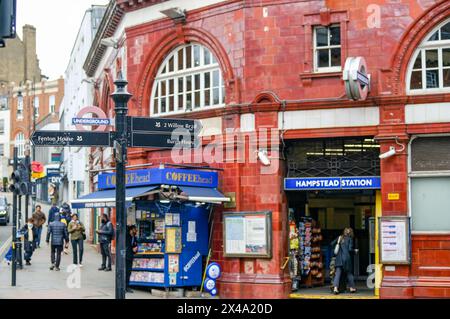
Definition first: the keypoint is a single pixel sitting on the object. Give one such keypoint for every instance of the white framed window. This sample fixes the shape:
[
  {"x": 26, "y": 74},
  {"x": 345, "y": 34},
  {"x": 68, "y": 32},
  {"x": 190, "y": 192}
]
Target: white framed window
[
  {"x": 19, "y": 142},
  {"x": 327, "y": 48},
  {"x": 429, "y": 68},
  {"x": 189, "y": 79},
  {"x": 19, "y": 108},
  {"x": 36, "y": 106},
  {"x": 3, "y": 102},
  {"x": 429, "y": 183},
  {"x": 2, "y": 149},
  {"x": 51, "y": 104},
  {"x": 2, "y": 126}
]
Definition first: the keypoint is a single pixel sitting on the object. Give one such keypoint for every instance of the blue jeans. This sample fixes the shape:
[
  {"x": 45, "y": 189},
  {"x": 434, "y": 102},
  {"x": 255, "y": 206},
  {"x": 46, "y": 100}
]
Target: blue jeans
[
  {"x": 339, "y": 273},
  {"x": 38, "y": 239}
]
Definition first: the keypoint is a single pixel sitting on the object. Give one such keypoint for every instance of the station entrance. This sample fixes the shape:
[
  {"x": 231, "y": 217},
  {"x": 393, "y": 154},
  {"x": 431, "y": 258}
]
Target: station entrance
[{"x": 332, "y": 185}]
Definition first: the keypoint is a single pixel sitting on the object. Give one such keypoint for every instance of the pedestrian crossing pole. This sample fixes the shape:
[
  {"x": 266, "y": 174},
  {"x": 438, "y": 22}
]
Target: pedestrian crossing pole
[
  {"x": 120, "y": 98},
  {"x": 14, "y": 229}
]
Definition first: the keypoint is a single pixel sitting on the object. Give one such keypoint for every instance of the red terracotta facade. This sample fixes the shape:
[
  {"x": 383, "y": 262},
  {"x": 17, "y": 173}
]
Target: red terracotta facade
[{"x": 267, "y": 59}]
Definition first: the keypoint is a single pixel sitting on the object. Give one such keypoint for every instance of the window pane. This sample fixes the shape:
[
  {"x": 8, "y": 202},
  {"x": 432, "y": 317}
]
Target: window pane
[
  {"x": 196, "y": 55},
  {"x": 446, "y": 77},
  {"x": 180, "y": 102},
  {"x": 189, "y": 83},
  {"x": 171, "y": 104},
  {"x": 445, "y": 32},
  {"x": 155, "y": 106},
  {"x": 164, "y": 70},
  {"x": 207, "y": 97},
  {"x": 163, "y": 105},
  {"x": 207, "y": 56},
  {"x": 180, "y": 59},
  {"x": 171, "y": 86},
  {"x": 432, "y": 79},
  {"x": 171, "y": 64},
  {"x": 335, "y": 35},
  {"x": 336, "y": 57},
  {"x": 432, "y": 58},
  {"x": 430, "y": 154},
  {"x": 323, "y": 58},
  {"x": 434, "y": 36},
  {"x": 157, "y": 90},
  {"x": 321, "y": 36},
  {"x": 197, "y": 99},
  {"x": 418, "y": 62},
  {"x": 216, "y": 78},
  {"x": 446, "y": 57},
  {"x": 188, "y": 57},
  {"x": 163, "y": 88},
  {"x": 189, "y": 101},
  {"x": 216, "y": 96},
  {"x": 430, "y": 200},
  {"x": 207, "y": 80},
  {"x": 223, "y": 95},
  {"x": 197, "y": 82},
  {"x": 180, "y": 85},
  {"x": 416, "y": 80}
]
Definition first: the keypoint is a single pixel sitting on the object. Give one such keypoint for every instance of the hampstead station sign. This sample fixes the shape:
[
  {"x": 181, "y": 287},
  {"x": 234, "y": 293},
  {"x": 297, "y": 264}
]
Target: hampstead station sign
[
  {"x": 332, "y": 183},
  {"x": 157, "y": 176}
]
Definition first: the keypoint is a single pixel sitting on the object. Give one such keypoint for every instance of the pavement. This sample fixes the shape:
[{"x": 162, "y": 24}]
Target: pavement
[{"x": 39, "y": 282}]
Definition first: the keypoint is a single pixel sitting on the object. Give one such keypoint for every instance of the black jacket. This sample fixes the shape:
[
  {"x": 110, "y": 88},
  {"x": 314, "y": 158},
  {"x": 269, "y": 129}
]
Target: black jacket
[
  {"x": 58, "y": 231},
  {"x": 24, "y": 231},
  {"x": 105, "y": 233},
  {"x": 344, "y": 257},
  {"x": 131, "y": 243}
]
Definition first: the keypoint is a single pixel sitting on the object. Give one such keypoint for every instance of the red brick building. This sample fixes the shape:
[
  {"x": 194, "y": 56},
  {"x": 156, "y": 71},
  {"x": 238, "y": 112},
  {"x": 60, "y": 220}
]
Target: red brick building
[{"x": 278, "y": 65}]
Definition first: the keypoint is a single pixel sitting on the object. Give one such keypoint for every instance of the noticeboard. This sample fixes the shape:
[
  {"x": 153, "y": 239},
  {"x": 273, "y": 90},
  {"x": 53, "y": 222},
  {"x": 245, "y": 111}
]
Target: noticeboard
[
  {"x": 248, "y": 234},
  {"x": 395, "y": 240}
]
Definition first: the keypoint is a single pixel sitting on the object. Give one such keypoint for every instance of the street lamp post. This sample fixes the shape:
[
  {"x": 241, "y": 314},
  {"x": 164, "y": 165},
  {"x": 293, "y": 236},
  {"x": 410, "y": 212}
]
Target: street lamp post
[{"x": 121, "y": 98}]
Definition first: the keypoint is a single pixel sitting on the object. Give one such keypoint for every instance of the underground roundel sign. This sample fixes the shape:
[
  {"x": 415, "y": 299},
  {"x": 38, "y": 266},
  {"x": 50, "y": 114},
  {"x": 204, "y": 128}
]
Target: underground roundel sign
[
  {"x": 213, "y": 271},
  {"x": 101, "y": 121},
  {"x": 357, "y": 81}
]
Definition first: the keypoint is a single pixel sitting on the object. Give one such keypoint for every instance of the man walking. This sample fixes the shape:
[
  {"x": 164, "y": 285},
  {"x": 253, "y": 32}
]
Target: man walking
[
  {"x": 106, "y": 233},
  {"x": 58, "y": 232},
  {"x": 54, "y": 210},
  {"x": 39, "y": 220}
]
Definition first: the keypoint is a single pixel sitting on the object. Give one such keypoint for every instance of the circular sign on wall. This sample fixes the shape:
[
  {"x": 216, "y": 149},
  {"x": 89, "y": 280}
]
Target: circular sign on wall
[
  {"x": 210, "y": 284},
  {"x": 213, "y": 271},
  {"x": 357, "y": 81},
  {"x": 101, "y": 120}
]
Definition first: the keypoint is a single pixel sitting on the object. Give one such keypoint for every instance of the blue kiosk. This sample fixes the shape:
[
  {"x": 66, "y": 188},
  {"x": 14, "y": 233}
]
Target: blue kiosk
[{"x": 172, "y": 209}]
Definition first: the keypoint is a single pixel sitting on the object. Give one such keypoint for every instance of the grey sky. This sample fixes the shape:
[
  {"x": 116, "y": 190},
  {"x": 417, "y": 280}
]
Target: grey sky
[{"x": 57, "y": 23}]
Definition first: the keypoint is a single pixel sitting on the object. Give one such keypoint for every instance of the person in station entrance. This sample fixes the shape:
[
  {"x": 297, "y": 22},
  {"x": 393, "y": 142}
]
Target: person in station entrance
[
  {"x": 131, "y": 249},
  {"x": 58, "y": 232},
  {"x": 343, "y": 248},
  {"x": 106, "y": 234},
  {"x": 39, "y": 221}
]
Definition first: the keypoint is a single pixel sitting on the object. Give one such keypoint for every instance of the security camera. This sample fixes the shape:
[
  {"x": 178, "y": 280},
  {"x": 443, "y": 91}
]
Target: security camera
[
  {"x": 263, "y": 157},
  {"x": 389, "y": 153}
]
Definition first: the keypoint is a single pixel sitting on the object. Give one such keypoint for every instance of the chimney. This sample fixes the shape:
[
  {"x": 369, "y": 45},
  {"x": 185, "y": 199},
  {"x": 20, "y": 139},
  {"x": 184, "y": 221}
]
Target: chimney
[{"x": 32, "y": 71}]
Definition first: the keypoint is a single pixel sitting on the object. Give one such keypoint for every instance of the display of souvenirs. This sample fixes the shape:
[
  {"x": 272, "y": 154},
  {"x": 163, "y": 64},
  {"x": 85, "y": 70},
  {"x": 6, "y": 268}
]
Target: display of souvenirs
[
  {"x": 147, "y": 276},
  {"x": 144, "y": 248},
  {"x": 148, "y": 263},
  {"x": 310, "y": 256}
]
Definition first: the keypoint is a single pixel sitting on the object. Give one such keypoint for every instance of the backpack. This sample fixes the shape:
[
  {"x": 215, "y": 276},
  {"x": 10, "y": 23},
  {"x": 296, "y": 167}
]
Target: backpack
[{"x": 113, "y": 236}]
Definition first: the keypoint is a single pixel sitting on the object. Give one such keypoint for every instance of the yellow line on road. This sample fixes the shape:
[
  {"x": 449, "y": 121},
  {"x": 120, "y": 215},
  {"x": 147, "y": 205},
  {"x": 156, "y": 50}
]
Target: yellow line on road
[{"x": 311, "y": 296}]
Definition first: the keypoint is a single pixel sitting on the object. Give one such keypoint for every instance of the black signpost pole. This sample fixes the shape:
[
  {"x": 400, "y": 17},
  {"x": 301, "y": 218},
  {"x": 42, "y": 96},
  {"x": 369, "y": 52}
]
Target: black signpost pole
[
  {"x": 14, "y": 229},
  {"x": 121, "y": 98}
]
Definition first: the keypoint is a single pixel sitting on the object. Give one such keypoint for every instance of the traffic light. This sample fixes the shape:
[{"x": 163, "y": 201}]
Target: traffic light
[
  {"x": 20, "y": 178},
  {"x": 37, "y": 170},
  {"x": 7, "y": 19}
]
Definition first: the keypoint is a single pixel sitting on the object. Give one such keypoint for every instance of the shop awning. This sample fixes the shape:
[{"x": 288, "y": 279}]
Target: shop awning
[
  {"x": 107, "y": 198},
  {"x": 204, "y": 195}
]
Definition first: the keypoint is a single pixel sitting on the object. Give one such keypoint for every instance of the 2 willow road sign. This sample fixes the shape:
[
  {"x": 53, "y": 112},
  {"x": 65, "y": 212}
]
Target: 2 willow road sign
[
  {"x": 142, "y": 132},
  {"x": 163, "y": 133},
  {"x": 71, "y": 138}
]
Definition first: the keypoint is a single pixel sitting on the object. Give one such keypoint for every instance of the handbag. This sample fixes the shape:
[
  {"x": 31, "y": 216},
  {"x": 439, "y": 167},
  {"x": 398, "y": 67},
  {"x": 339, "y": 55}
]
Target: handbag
[
  {"x": 336, "y": 248},
  {"x": 84, "y": 235}
]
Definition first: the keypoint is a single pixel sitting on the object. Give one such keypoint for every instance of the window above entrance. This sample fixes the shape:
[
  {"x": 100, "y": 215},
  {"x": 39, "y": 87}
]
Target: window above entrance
[
  {"x": 189, "y": 79},
  {"x": 429, "y": 69}
]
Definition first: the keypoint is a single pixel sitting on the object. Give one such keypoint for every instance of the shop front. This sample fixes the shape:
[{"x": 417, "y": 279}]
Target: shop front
[
  {"x": 332, "y": 184},
  {"x": 173, "y": 211}
]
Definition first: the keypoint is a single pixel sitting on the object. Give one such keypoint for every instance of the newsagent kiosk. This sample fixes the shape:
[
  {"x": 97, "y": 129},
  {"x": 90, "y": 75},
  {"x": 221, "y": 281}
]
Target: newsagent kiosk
[{"x": 172, "y": 209}]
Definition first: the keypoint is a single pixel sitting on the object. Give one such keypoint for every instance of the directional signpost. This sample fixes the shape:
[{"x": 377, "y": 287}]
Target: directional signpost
[
  {"x": 130, "y": 132},
  {"x": 71, "y": 138},
  {"x": 163, "y": 133}
]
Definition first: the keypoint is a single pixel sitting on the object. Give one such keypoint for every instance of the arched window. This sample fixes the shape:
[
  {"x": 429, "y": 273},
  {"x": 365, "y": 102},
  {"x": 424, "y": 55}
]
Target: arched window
[
  {"x": 429, "y": 69},
  {"x": 20, "y": 144},
  {"x": 189, "y": 79}
]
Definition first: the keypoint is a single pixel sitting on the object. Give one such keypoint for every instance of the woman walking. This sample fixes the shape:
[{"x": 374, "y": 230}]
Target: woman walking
[
  {"x": 76, "y": 230},
  {"x": 343, "y": 247}
]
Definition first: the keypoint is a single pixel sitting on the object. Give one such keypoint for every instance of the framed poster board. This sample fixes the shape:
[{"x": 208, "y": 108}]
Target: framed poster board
[
  {"x": 395, "y": 240},
  {"x": 173, "y": 240},
  {"x": 248, "y": 234}
]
